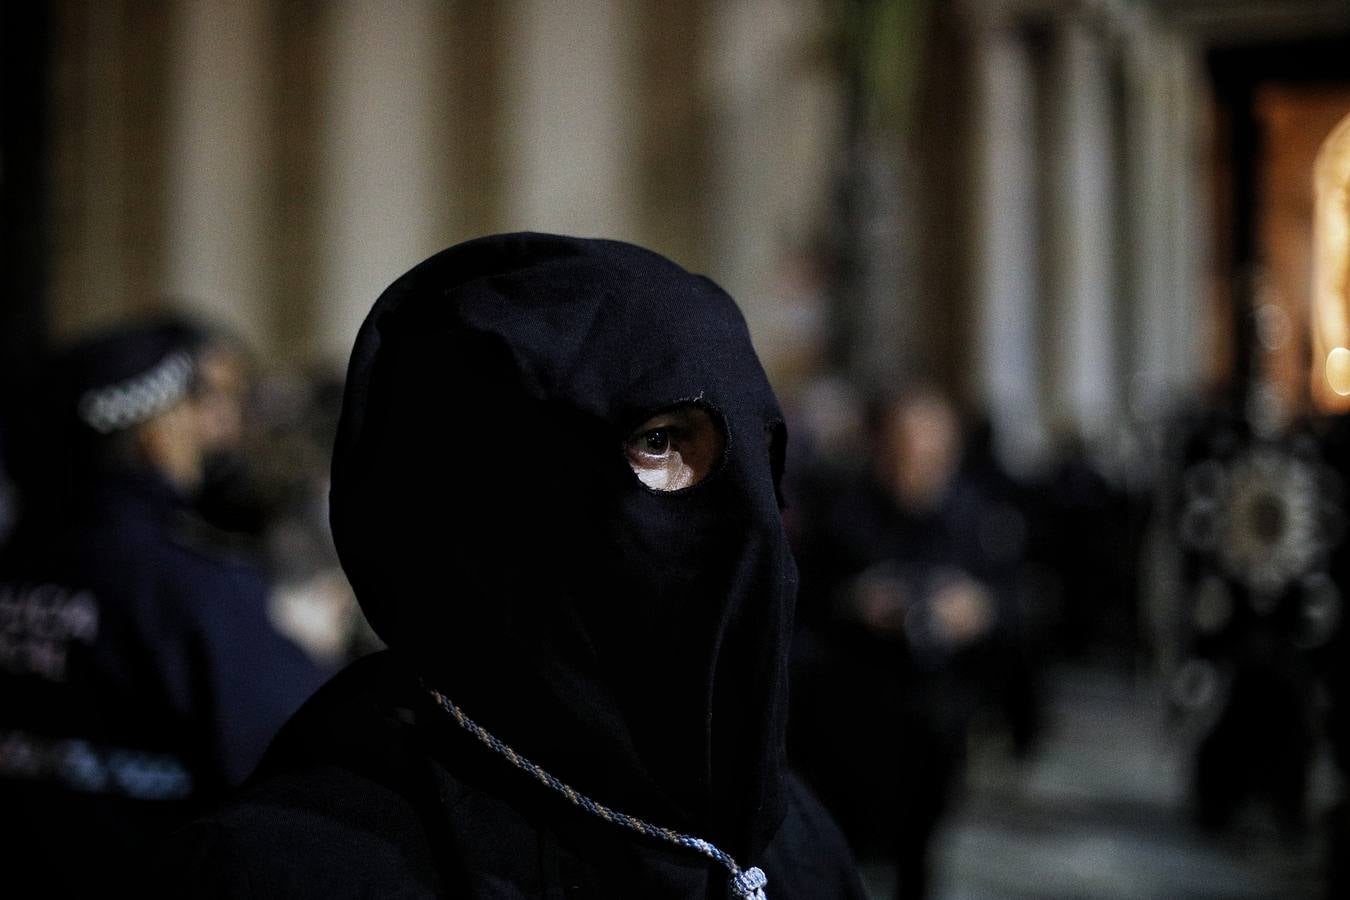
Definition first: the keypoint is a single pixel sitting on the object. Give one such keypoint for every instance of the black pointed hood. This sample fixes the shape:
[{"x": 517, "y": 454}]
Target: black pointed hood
[{"x": 631, "y": 642}]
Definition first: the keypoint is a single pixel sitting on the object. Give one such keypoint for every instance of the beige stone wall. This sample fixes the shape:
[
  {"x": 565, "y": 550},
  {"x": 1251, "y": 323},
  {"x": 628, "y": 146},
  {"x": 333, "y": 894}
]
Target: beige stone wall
[{"x": 273, "y": 164}]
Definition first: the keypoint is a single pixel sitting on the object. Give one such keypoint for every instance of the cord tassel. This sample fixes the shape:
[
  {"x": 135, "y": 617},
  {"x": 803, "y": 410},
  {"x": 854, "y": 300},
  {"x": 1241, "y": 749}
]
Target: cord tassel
[{"x": 750, "y": 884}]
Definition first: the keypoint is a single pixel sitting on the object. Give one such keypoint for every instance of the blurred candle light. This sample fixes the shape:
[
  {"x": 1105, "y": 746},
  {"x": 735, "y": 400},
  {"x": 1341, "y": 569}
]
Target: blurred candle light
[
  {"x": 1338, "y": 370},
  {"x": 1331, "y": 260}
]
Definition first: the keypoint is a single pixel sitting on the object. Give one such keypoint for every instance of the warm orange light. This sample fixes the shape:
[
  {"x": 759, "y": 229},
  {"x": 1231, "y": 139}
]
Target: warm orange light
[
  {"x": 1331, "y": 260},
  {"x": 1338, "y": 370}
]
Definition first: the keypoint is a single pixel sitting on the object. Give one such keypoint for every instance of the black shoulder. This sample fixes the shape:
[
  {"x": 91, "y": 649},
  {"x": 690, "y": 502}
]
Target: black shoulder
[
  {"x": 809, "y": 857},
  {"x": 200, "y": 861},
  {"x": 344, "y": 805},
  {"x": 323, "y": 833}
]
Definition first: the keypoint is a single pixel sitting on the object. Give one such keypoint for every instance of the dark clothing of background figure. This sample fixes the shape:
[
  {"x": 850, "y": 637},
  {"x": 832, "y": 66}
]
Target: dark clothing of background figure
[
  {"x": 142, "y": 678},
  {"x": 373, "y": 791},
  {"x": 904, "y": 698}
]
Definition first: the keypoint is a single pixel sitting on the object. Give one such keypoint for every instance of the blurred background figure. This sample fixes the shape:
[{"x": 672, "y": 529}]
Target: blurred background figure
[
  {"x": 142, "y": 674},
  {"x": 910, "y": 626},
  {"x": 1259, "y": 516}
]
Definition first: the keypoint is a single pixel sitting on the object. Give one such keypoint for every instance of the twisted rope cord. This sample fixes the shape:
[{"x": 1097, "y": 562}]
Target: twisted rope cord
[{"x": 745, "y": 883}]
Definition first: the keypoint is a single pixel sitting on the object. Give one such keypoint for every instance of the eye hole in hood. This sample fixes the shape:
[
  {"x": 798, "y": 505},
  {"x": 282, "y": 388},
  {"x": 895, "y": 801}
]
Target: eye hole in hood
[{"x": 676, "y": 448}]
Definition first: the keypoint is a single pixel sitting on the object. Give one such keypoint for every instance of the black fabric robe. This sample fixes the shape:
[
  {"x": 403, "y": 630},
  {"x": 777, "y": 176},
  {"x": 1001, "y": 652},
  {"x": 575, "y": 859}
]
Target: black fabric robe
[{"x": 369, "y": 792}]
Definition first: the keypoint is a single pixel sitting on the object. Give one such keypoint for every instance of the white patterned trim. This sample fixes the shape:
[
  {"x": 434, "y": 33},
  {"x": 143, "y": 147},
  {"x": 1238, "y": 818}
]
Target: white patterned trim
[{"x": 138, "y": 398}]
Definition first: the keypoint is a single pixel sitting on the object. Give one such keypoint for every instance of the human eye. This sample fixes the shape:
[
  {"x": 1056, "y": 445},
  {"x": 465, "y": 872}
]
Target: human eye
[
  {"x": 674, "y": 449},
  {"x": 656, "y": 441}
]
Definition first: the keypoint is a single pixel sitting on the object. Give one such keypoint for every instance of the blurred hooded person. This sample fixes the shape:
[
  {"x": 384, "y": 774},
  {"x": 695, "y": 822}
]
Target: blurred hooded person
[
  {"x": 911, "y": 571},
  {"x": 140, "y": 673},
  {"x": 555, "y": 492}
]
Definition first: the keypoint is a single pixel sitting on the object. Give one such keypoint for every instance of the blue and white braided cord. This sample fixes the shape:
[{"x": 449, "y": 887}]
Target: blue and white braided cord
[{"x": 745, "y": 883}]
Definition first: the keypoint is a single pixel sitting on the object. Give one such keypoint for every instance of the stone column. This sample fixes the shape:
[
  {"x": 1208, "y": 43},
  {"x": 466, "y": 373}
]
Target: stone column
[
  {"x": 384, "y": 202},
  {"x": 568, "y": 124},
  {"x": 106, "y": 156},
  {"x": 218, "y": 202},
  {"x": 1188, "y": 193},
  {"x": 1166, "y": 250},
  {"x": 773, "y": 166},
  {"x": 1152, "y": 233},
  {"x": 669, "y": 63},
  {"x": 1007, "y": 286},
  {"x": 1082, "y": 235}
]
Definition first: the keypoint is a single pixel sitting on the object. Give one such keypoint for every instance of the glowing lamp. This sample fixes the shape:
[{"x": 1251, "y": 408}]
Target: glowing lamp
[{"x": 1331, "y": 256}]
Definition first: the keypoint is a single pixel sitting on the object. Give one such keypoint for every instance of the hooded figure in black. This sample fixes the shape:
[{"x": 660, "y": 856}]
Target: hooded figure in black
[{"x": 609, "y": 623}]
